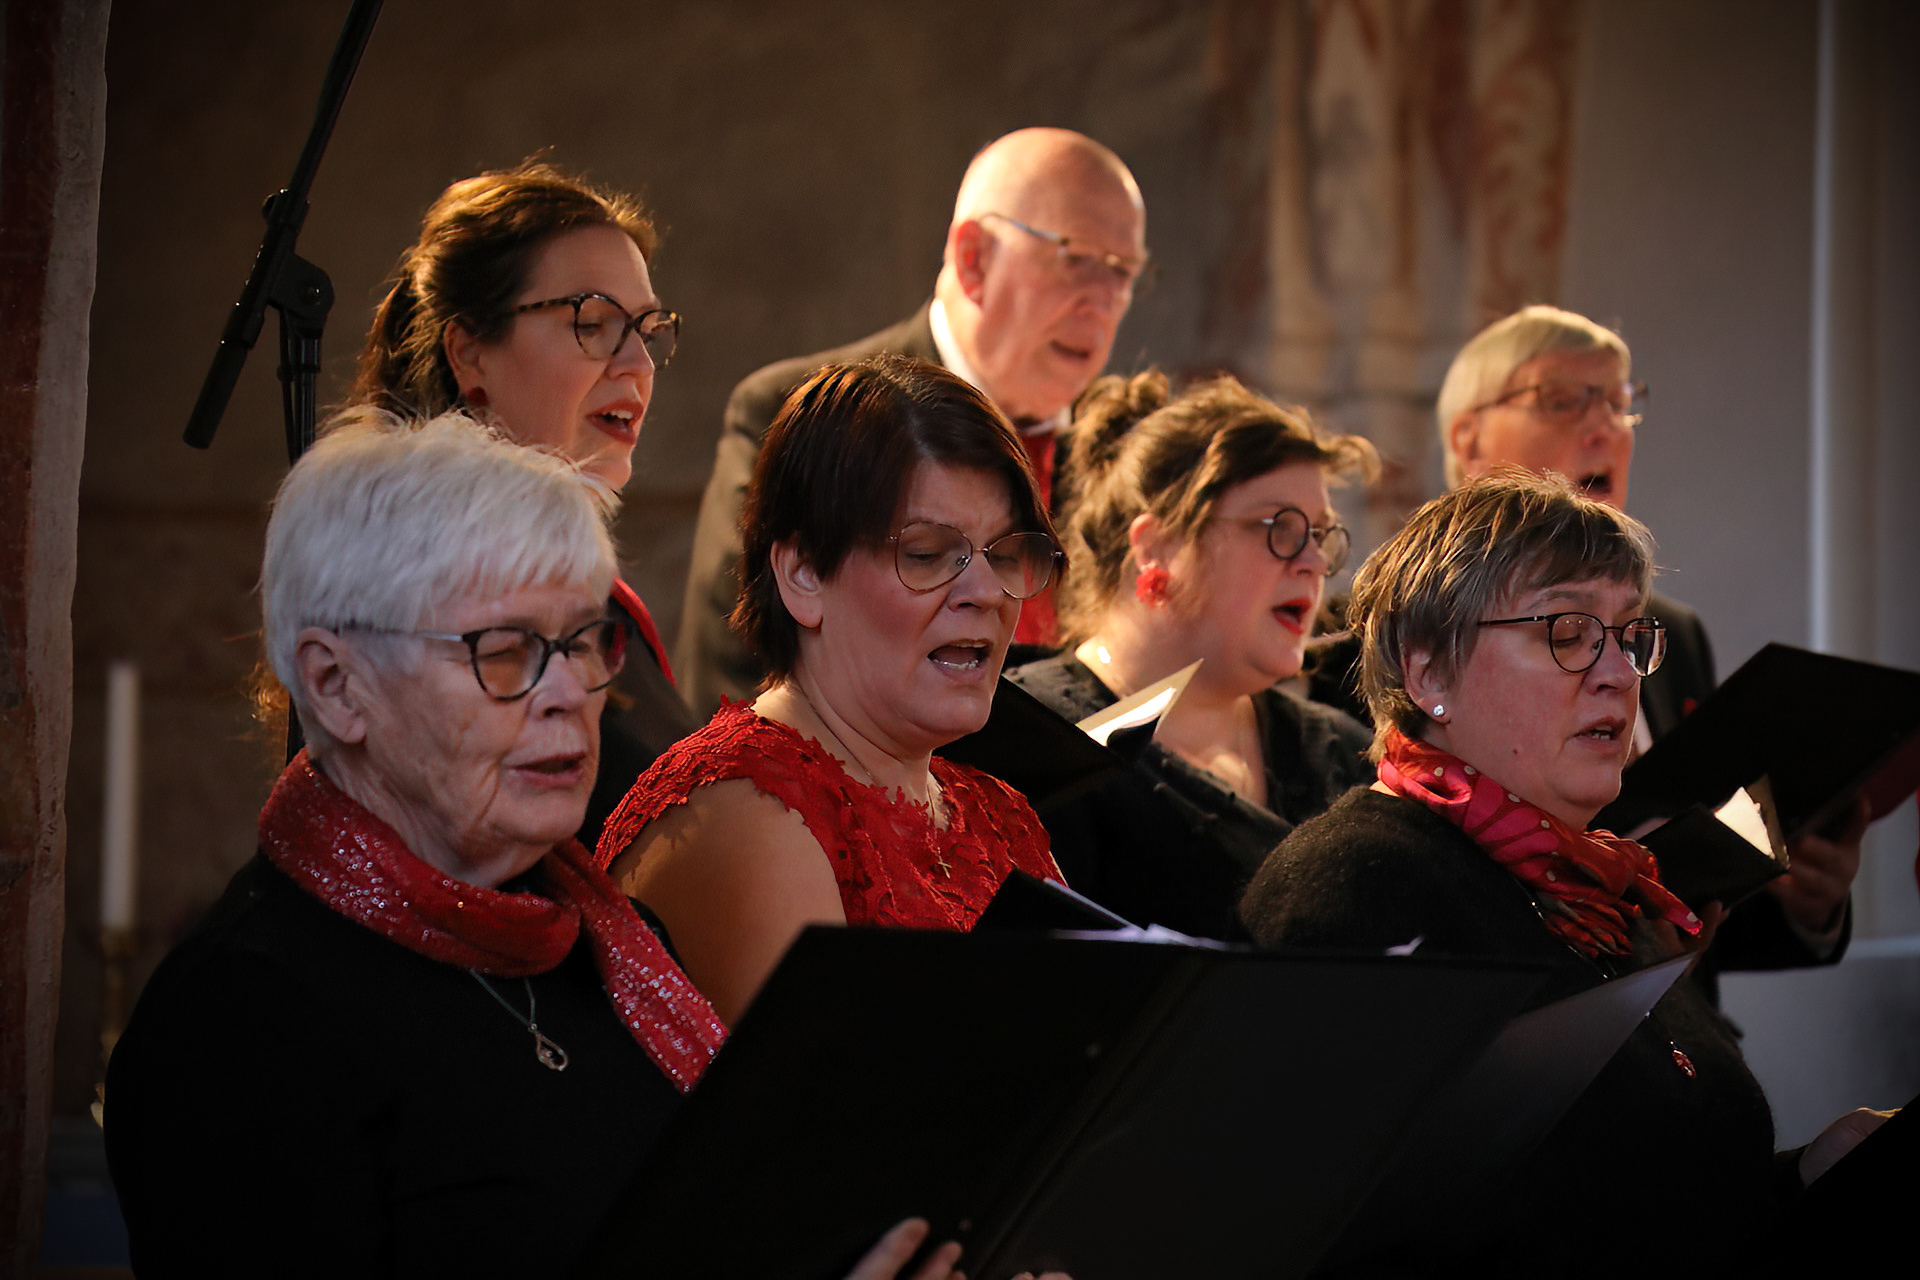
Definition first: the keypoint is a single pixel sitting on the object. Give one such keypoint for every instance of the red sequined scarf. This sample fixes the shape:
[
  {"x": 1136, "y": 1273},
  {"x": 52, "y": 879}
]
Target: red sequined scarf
[
  {"x": 1580, "y": 878},
  {"x": 336, "y": 850}
]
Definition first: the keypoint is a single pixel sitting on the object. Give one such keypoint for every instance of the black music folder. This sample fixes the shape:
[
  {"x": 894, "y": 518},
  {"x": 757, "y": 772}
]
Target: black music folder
[
  {"x": 1824, "y": 730},
  {"x": 1033, "y": 749},
  {"x": 1704, "y": 860},
  {"x": 1856, "y": 1219},
  {"x": 1111, "y": 1108},
  {"x": 1480, "y": 1130},
  {"x": 1041, "y": 906}
]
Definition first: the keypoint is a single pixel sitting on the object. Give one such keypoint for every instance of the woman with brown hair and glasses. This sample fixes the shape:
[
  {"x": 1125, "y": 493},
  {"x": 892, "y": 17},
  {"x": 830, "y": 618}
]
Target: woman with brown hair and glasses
[
  {"x": 527, "y": 301},
  {"x": 1504, "y": 634},
  {"x": 892, "y": 530},
  {"x": 1201, "y": 531},
  {"x": 1551, "y": 391}
]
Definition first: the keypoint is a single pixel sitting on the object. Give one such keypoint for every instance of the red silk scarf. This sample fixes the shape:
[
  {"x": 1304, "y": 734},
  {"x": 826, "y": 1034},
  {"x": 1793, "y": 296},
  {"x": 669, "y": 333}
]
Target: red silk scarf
[
  {"x": 336, "y": 850},
  {"x": 1581, "y": 879}
]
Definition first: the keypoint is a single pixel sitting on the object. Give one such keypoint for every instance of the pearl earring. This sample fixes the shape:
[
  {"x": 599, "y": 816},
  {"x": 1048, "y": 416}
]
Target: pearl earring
[{"x": 1438, "y": 711}]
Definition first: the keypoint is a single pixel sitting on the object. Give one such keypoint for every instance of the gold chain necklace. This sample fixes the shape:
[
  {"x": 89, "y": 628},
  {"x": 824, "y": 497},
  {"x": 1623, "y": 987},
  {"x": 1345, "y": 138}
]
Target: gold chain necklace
[{"x": 931, "y": 804}]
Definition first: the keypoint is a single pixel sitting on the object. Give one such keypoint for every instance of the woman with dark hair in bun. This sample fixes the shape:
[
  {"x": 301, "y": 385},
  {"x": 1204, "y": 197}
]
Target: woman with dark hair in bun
[
  {"x": 1202, "y": 531},
  {"x": 527, "y": 302}
]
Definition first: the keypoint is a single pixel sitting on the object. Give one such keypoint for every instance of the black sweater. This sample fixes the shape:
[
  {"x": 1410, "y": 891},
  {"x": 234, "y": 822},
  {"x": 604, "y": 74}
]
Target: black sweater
[
  {"x": 1652, "y": 1166},
  {"x": 297, "y": 1095}
]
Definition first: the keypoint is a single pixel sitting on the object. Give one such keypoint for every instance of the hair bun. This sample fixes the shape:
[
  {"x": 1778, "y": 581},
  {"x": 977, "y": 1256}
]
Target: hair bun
[{"x": 1106, "y": 411}]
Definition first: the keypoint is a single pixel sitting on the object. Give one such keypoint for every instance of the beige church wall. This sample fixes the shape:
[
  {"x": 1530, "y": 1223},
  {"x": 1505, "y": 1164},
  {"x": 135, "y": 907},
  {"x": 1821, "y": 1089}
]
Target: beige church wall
[{"x": 1696, "y": 181}]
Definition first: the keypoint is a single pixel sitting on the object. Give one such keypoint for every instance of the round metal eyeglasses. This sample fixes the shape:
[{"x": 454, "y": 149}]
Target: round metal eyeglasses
[
  {"x": 1576, "y": 639},
  {"x": 927, "y": 556},
  {"x": 1289, "y": 531},
  {"x": 509, "y": 661},
  {"x": 601, "y": 326}
]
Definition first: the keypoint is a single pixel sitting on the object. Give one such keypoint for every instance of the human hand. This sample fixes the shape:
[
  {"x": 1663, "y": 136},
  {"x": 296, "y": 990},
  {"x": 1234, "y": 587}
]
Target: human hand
[
  {"x": 1820, "y": 875},
  {"x": 1837, "y": 1139},
  {"x": 1672, "y": 942},
  {"x": 896, "y": 1248}
]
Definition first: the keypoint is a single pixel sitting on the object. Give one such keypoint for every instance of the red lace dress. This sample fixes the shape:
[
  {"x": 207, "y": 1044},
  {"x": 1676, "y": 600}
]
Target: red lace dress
[{"x": 893, "y": 865}]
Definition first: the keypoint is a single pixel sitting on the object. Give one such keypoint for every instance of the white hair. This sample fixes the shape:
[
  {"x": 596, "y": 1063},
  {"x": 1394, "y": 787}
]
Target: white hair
[
  {"x": 1480, "y": 372},
  {"x": 383, "y": 523}
]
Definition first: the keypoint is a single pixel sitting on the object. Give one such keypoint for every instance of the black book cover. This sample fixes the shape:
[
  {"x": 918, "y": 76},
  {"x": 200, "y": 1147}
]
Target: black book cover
[
  {"x": 1824, "y": 730},
  {"x": 1033, "y": 749},
  {"x": 1115, "y": 1109}
]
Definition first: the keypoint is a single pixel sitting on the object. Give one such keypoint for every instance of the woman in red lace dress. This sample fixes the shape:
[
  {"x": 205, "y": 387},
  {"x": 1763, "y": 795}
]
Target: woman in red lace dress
[{"x": 891, "y": 531}]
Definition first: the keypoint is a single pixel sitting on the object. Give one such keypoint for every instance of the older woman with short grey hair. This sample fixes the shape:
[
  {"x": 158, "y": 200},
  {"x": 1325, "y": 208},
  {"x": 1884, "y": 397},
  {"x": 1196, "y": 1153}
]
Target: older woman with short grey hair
[
  {"x": 421, "y": 1033},
  {"x": 1504, "y": 634}
]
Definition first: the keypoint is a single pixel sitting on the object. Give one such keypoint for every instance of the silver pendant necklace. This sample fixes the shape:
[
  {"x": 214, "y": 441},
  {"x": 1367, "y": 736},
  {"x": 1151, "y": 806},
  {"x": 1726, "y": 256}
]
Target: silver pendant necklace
[{"x": 550, "y": 1054}]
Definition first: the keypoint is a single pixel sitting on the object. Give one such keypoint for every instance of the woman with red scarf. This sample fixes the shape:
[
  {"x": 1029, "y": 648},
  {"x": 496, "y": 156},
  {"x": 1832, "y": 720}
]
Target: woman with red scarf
[
  {"x": 421, "y": 1033},
  {"x": 1503, "y": 638}
]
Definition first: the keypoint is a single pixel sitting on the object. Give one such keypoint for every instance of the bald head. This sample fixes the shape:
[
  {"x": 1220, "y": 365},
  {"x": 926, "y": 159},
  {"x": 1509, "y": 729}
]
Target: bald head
[
  {"x": 1048, "y": 232},
  {"x": 1030, "y": 172}
]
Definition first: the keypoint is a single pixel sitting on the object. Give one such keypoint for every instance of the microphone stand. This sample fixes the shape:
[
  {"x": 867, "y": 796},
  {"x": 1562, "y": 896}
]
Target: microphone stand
[
  {"x": 282, "y": 279},
  {"x": 287, "y": 282}
]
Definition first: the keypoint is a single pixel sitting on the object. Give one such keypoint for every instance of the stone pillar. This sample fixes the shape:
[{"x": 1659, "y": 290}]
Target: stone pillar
[{"x": 52, "y": 131}]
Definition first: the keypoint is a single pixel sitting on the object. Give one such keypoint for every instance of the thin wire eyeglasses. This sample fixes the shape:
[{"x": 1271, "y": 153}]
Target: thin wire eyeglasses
[
  {"x": 1571, "y": 635},
  {"x": 601, "y": 326},
  {"x": 1088, "y": 267},
  {"x": 927, "y": 556},
  {"x": 1289, "y": 530},
  {"x": 1565, "y": 404},
  {"x": 509, "y": 661}
]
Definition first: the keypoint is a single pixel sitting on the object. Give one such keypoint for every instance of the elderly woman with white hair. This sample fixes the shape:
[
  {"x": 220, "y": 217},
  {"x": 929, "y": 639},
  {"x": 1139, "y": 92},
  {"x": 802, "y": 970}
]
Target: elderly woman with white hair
[{"x": 421, "y": 1033}]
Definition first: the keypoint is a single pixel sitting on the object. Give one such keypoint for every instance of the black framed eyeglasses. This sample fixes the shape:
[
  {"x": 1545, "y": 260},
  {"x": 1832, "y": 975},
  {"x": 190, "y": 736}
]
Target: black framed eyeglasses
[
  {"x": 1563, "y": 404},
  {"x": 1087, "y": 266},
  {"x": 1289, "y": 531},
  {"x": 1576, "y": 639},
  {"x": 927, "y": 556},
  {"x": 509, "y": 661},
  {"x": 601, "y": 326}
]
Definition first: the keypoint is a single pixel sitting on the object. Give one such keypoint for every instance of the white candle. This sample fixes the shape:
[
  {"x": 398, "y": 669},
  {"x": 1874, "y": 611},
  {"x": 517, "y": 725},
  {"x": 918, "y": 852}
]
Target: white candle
[{"x": 118, "y": 864}]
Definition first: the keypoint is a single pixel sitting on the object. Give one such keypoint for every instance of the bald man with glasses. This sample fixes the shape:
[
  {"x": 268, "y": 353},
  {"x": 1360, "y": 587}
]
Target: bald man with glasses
[{"x": 1045, "y": 252}]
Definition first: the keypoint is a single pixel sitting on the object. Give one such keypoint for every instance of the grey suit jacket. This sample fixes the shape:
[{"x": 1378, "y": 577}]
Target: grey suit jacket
[{"x": 708, "y": 659}]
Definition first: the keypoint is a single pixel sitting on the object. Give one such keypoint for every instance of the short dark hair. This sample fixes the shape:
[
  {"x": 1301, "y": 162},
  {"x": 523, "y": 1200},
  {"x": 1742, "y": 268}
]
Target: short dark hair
[
  {"x": 1136, "y": 447},
  {"x": 836, "y": 465},
  {"x": 1507, "y": 533},
  {"x": 476, "y": 246}
]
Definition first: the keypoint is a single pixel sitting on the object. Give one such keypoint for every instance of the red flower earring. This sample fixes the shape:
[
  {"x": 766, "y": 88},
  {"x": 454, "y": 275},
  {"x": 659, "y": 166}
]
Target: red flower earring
[{"x": 1150, "y": 588}]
